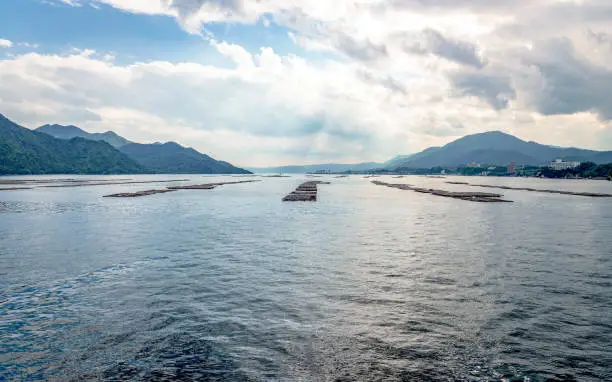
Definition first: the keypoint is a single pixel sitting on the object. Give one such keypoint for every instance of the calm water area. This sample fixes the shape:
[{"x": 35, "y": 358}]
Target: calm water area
[{"x": 369, "y": 283}]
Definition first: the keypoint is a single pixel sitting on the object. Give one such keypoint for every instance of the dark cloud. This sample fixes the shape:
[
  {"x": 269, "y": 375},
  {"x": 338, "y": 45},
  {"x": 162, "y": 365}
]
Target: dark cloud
[
  {"x": 186, "y": 8},
  {"x": 484, "y": 6},
  {"x": 551, "y": 78},
  {"x": 555, "y": 19},
  {"x": 495, "y": 90},
  {"x": 436, "y": 126},
  {"x": 385, "y": 81},
  {"x": 362, "y": 50},
  {"x": 433, "y": 42},
  {"x": 567, "y": 83},
  {"x": 601, "y": 38}
]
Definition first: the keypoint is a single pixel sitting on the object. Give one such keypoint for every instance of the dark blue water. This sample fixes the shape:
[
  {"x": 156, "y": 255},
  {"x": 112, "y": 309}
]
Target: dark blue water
[{"x": 369, "y": 283}]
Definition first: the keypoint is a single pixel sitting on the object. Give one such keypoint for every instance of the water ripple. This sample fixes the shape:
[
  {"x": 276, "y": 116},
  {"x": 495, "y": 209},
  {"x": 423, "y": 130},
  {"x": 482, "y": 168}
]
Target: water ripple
[{"x": 234, "y": 285}]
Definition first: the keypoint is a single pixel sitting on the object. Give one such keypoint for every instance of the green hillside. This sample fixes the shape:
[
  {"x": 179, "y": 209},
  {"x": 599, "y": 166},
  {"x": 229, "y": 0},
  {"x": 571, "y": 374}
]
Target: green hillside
[{"x": 23, "y": 151}]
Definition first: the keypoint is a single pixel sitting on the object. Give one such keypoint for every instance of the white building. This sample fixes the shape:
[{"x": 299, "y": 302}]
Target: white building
[{"x": 560, "y": 164}]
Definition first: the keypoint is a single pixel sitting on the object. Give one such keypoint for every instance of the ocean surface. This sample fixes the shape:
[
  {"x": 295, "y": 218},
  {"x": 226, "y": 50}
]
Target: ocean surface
[{"x": 368, "y": 284}]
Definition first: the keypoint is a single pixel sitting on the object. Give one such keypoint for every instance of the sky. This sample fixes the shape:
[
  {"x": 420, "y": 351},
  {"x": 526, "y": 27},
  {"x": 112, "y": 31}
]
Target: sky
[{"x": 279, "y": 82}]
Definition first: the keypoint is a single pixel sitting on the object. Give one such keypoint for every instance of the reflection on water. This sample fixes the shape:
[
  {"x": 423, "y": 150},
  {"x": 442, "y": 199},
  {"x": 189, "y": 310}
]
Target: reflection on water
[{"x": 368, "y": 283}]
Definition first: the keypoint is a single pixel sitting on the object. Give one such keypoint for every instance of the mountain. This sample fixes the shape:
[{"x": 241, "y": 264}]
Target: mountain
[
  {"x": 168, "y": 158},
  {"x": 172, "y": 158},
  {"x": 497, "y": 148},
  {"x": 603, "y": 157},
  {"x": 69, "y": 132},
  {"x": 395, "y": 161},
  {"x": 23, "y": 151},
  {"x": 331, "y": 167}
]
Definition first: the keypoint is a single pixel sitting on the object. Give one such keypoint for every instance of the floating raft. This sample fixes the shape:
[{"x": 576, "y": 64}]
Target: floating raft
[
  {"x": 305, "y": 192},
  {"x": 462, "y": 183},
  {"x": 482, "y": 197},
  {"x": 590, "y": 194},
  {"x": 52, "y": 180},
  {"x": 209, "y": 186},
  {"x": 110, "y": 183},
  {"x": 194, "y": 187},
  {"x": 15, "y": 188},
  {"x": 137, "y": 194}
]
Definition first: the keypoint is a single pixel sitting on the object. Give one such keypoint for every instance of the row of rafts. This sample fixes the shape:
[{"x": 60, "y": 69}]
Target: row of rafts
[
  {"x": 483, "y": 197},
  {"x": 305, "y": 192}
]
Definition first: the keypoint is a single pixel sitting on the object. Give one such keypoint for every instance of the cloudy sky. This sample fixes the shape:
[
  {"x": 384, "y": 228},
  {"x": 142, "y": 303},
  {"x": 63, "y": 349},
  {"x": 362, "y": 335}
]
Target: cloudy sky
[{"x": 268, "y": 82}]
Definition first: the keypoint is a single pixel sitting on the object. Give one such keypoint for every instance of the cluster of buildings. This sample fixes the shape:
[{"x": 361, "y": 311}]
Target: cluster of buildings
[
  {"x": 560, "y": 164},
  {"x": 557, "y": 164}
]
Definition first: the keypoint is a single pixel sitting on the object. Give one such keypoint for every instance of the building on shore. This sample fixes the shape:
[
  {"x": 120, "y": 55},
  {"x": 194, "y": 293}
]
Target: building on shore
[
  {"x": 512, "y": 168},
  {"x": 560, "y": 164}
]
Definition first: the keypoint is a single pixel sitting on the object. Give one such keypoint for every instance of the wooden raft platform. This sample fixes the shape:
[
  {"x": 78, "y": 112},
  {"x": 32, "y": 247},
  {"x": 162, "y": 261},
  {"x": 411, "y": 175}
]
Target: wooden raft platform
[
  {"x": 111, "y": 183},
  {"x": 305, "y": 192},
  {"x": 15, "y": 188},
  {"x": 483, "y": 197},
  {"x": 137, "y": 194},
  {"x": 574, "y": 193},
  {"x": 207, "y": 186},
  {"x": 462, "y": 183}
]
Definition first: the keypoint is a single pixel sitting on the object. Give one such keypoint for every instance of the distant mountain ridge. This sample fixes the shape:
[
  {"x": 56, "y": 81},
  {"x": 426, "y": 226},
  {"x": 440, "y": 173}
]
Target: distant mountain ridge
[
  {"x": 69, "y": 149},
  {"x": 331, "y": 167},
  {"x": 173, "y": 158},
  {"x": 70, "y": 131},
  {"x": 493, "y": 148},
  {"x": 497, "y": 148},
  {"x": 23, "y": 151},
  {"x": 168, "y": 158},
  {"x": 397, "y": 160}
]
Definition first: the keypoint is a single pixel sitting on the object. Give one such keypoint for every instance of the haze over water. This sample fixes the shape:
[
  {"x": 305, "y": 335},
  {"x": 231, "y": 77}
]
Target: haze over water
[{"x": 367, "y": 283}]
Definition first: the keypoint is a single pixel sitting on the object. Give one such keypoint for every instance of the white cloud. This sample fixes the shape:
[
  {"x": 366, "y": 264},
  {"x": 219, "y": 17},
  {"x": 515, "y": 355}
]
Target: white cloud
[
  {"x": 398, "y": 76},
  {"x": 5, "y": 43},
  {"x": 268, "y": 109},
  {"x": 236, "y": 53},
  {"x": 317, "y": 111},
  {"x": 149, "y": 7},
  {"x": 29, "y": 45}
]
